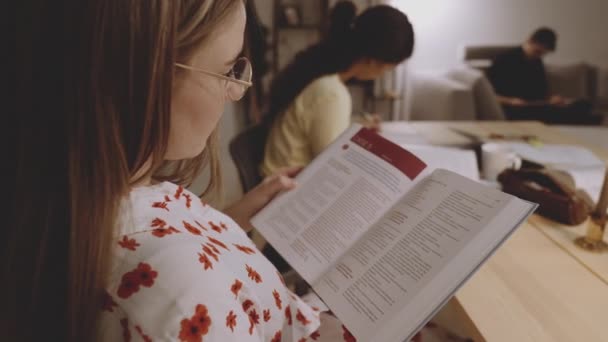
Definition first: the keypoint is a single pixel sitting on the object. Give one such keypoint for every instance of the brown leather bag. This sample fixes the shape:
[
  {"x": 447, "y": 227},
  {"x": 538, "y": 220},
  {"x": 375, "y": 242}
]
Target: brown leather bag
[{"x": 553, "y": 190}]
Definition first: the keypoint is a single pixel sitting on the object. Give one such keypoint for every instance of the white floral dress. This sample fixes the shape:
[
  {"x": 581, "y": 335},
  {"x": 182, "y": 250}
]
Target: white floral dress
[{"x": 183, "y": 271}]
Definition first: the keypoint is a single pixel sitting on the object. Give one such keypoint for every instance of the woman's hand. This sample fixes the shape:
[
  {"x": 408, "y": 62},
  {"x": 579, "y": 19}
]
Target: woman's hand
[
  {"x": 516, "y": 101},
  {"x": 243, "y": 210},
  {"x": 558, "y": 100}
]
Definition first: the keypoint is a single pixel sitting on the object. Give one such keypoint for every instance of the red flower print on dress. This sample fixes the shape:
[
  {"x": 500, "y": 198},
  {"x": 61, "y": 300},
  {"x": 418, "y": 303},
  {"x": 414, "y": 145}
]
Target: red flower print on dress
[
  {"x": 200, "y": 225},
  {"x": 301, "y": 318},
  {"x": 167, "y": 198},
  {"x": 145, "y": 337},
  {"x": 266, "y": 315},
  {"x": 188, "y": 201},
  {"x": 224, "y": 226},
  {"x": 161, "y": 232},
  {"x": 236, "y": 287},
  {"x": 288, "y": 315},
  {"x": 247, "y": 304},
  {"x": 190, "y": 332},
  {"x": 254, "y": 319},
  {"x": 254, "y": 316},
  {"x": 201, "y": 317},
  {"x": 160, "y": 205},
  {"x": 158, "y": 223},
  {"x": 231, "y": 320},
  {"x": 210, "y": 252},
  {"x": 129, "y": 284},
  {"x": 192, "y": 229},
  {"x": 244, "y": 249},
  {"x": 127, "y": 243},
  {"x": 203, "y": 259},
  {"x": 107, "y": 302},
  {"x": 145, "y": 274},
  {"x": 218, "y": 242},
  {"x": 178, "y": 192},
  {"x": 348, "y": 337},
  {"x": 126, "y": 334},
  {"x": 277, "y": 337},
  {"x": 251, "y": 325},
  {"x": 303, "y": 339},
  {"x": 213, "y": 248},
  {"x": 193, "y": 329},
  {"x": 315, "y": 335},
  {"x": 277, "y": 299},
  {"x": 253, "y": 274},
  {"x": 215, "y": 227}
]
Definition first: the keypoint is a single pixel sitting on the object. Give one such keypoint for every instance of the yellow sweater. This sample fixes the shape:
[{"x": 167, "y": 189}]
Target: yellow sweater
[{"x": 320, "y": 113}]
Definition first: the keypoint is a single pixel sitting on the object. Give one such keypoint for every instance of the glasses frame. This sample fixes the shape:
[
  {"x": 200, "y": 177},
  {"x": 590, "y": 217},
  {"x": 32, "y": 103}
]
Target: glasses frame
[{"x": 220, "y": 76}]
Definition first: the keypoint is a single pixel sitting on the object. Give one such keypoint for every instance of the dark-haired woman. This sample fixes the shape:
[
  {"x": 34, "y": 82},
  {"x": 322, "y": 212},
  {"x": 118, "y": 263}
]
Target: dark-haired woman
[{"x": 310, "y": 103}]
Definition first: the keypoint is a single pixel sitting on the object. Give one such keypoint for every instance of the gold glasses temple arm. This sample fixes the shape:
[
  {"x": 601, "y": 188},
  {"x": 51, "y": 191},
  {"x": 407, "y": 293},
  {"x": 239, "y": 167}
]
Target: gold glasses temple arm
[{"x": 187, "y": 67}]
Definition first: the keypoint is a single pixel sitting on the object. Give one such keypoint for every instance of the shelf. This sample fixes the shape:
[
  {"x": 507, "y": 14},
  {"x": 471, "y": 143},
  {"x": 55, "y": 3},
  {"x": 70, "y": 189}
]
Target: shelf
[{"x": 311, "y": 18}]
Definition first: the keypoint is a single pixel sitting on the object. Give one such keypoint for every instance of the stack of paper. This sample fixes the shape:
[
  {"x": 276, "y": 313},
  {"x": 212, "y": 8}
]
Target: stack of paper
[
  {"x": 555, "y": 155},
  {"x": 463, "y": 162},
  {"x": 402, "y": 133}
]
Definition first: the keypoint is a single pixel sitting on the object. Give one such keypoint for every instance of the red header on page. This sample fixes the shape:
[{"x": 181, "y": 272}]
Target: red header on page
[{"x": 401, "y": 159}]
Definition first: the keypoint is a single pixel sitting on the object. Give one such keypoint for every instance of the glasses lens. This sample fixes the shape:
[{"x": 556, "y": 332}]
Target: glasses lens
[{"x": 242, "y": 72}]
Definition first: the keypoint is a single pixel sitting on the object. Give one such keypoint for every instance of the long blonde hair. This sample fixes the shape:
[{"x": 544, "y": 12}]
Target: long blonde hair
[{"x": 94, "y": 88}]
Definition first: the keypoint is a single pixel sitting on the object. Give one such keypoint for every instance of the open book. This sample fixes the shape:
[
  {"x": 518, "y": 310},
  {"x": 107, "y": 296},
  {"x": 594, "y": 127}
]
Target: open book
[{"x": 384, "y": 241}]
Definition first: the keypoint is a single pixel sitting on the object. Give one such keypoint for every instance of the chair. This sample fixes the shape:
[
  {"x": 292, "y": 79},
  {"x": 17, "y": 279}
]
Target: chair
[
  {"x": 486, "y": 106},
  {"x": 481, "y": 56},
  {"x": 433, "y": 96},
  {"x": 247, "y": 152}
]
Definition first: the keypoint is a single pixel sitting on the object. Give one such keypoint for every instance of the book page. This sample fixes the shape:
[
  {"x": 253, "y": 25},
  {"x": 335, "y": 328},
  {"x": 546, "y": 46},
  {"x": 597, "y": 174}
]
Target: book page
[
  {"x": 339, "y": 196},
  {"x": 460, "y": 161},
  {"x": 401, "y": 271}
]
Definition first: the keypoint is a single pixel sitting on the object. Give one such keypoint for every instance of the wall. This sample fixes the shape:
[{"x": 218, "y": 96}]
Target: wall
[{"x": 444, "y": 26}]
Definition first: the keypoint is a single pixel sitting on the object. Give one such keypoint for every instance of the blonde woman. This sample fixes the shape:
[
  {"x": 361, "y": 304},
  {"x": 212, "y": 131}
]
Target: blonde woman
[
  {"x": 97, "y": 243},
  {"x": 100, "y": 244}
]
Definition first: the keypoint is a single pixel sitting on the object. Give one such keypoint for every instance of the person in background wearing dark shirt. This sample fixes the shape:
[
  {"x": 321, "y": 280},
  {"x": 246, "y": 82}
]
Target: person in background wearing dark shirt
[{"x": 520, "y": 83}]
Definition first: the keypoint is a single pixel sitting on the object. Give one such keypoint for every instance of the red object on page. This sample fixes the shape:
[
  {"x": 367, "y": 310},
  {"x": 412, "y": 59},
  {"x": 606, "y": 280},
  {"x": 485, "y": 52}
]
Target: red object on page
[{"x": 392, "y": 153}]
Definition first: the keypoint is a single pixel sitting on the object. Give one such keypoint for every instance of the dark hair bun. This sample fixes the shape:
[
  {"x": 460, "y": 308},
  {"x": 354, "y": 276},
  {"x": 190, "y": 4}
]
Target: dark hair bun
[{"x": 341, "y": 18}]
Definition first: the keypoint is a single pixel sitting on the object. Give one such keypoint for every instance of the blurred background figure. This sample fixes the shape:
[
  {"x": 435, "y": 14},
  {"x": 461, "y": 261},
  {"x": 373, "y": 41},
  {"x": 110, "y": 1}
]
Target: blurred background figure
[
  {"x": 520, "y": 83},
  {"x": 310, "y": 104}
]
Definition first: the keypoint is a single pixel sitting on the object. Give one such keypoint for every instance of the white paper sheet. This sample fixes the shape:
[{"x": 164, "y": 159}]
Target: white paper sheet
[
  {"x": 556, "y": 155},
  {"x": 402, "y": 133},
  {"x": 463, "y": 162}
]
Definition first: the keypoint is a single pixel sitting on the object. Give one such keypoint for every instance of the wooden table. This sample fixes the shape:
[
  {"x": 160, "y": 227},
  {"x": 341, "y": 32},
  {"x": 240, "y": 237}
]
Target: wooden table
[{"x": 537, "y": 287}]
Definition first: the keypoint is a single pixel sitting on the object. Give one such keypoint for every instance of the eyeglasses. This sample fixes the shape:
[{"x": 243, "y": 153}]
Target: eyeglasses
[{"x": 238, "y": 78}]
